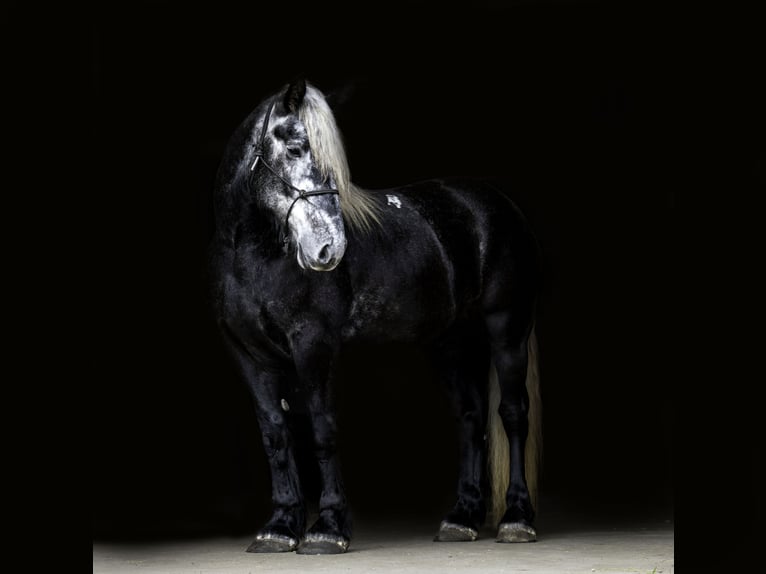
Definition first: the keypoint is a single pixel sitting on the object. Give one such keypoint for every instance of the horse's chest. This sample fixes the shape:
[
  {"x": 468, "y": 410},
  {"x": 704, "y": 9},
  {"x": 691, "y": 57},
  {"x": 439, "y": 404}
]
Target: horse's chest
[{"x": 257, "y": 307}]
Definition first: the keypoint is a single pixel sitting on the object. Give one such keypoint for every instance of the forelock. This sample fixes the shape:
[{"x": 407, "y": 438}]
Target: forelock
[{"x": 324, "y": 137}]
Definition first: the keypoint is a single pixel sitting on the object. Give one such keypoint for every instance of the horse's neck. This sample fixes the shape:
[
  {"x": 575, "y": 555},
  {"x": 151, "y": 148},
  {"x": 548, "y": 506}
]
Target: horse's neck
[{"x": 240, "y": 219}]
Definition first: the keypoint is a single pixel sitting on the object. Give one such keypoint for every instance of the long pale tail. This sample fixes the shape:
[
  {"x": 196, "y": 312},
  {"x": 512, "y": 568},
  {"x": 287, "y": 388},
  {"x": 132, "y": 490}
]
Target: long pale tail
[{"x": 498, "y": 457}]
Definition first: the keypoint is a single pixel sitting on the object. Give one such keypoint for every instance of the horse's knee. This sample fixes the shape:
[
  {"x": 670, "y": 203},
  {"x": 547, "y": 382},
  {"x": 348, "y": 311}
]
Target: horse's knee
[
  {"x": 276, "y": 438},
  {"x": 325, "y": 431},
  {"x": 275, "y": 443},
  {"x": 325, "y": 445}
]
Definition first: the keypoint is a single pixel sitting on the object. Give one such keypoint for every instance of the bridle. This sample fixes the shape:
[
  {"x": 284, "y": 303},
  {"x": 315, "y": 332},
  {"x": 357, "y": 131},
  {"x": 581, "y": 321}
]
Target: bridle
[{"x": 302, "y": 193}]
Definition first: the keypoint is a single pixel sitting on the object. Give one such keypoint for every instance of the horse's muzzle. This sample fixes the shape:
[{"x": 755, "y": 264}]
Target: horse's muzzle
[{"x": 323, "y": 257}]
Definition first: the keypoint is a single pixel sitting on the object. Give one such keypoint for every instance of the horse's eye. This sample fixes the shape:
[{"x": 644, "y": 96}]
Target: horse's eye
[{"x": 294, "y": 151}]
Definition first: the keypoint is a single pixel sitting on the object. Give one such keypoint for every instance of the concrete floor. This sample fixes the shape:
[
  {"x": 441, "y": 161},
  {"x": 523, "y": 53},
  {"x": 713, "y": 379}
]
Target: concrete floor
[{"x": 407, "y": 547}]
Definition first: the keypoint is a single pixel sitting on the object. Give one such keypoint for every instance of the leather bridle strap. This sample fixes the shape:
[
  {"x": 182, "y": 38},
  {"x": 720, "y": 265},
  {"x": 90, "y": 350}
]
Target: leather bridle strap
[{"x": 302, "y": 194}]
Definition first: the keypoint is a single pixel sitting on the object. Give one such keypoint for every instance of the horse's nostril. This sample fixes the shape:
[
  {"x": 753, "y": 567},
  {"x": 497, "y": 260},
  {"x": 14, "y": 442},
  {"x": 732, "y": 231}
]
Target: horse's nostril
[{"x": 324, "y": 254}]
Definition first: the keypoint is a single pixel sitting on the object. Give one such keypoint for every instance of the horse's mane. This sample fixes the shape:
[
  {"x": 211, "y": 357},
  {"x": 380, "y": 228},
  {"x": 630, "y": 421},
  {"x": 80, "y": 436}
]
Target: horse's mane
[{"x": 359, "y": 208}]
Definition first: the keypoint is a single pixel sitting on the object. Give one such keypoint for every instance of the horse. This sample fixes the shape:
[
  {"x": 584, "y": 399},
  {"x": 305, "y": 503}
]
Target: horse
[{"x": 303, "y": 263}]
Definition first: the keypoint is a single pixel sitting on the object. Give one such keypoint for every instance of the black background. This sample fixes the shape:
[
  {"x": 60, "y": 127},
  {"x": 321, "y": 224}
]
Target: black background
[{"x": 561, "y": 100}]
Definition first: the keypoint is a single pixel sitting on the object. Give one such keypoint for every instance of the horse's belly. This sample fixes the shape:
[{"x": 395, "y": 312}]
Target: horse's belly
[{"x": 418, "y": 315}]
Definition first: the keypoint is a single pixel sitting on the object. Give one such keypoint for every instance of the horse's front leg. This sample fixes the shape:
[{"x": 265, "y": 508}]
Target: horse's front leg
[
  {"x": 283, "y": 531},
  {"x": 331, "y": 533}
]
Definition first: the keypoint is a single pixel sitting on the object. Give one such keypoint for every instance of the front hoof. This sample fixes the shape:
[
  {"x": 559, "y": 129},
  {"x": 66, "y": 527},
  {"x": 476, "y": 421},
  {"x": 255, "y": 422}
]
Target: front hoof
[
  {"x": 271, "y": 542},
  {"x": 516, "y": 532},
  {"x": 318, "y": 543},
  {"x": 451, "y": 532}
]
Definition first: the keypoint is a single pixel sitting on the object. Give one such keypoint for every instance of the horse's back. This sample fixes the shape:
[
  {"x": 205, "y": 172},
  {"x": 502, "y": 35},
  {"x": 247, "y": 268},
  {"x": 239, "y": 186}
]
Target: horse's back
[
  {"x": 483, "y": 233},
  {"x": 489, "y": 241},
  {"x": 447, "y": 249}
]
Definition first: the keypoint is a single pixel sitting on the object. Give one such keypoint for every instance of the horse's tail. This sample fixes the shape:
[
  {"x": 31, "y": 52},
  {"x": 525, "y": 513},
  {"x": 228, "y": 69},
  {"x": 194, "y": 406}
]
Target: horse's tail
[{"x": 498, "y": 451}]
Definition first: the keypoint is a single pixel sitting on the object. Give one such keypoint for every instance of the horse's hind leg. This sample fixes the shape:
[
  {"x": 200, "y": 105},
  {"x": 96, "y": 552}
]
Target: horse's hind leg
[
  {"x": 508, "y": 332},
  {"x": 461, "y": 360}
]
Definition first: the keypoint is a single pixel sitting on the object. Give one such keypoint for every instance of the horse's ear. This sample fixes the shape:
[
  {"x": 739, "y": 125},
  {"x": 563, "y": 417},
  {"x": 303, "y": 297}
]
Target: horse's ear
[{"x": 294, "y": 94}]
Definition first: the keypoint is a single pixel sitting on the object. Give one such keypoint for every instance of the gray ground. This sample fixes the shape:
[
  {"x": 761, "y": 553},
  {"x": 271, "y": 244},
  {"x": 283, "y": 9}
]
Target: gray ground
[{"x": 407, "y": 547}]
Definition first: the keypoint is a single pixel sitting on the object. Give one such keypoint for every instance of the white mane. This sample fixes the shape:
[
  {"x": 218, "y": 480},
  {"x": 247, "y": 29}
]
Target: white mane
[{"x": 359, "y": 209}]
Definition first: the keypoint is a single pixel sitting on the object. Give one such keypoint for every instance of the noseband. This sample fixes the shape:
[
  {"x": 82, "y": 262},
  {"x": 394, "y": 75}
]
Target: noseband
[{"x": 259, "y": 158}]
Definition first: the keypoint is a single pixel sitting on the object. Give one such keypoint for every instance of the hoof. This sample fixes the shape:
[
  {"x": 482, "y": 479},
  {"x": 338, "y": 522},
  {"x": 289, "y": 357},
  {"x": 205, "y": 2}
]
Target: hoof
[
  {"x": 451, "y": 532},
  {"x": 516, "y": 532},
  {"x": 316, "y": 543},
  {"x": 270, "y": 542}
]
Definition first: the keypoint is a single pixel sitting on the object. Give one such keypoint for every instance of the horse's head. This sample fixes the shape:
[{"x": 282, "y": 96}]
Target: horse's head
[{"x": 296, "y": 172}]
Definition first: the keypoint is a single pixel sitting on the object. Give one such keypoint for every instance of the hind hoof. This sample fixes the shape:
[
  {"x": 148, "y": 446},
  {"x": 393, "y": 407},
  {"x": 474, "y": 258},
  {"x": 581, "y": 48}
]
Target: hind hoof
[
  {"x": 270, "y": 542},
  {"x": 451, "y": 532},
  {"x": 516, "y": 532},
  {"x": 315, "y": 543}
]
